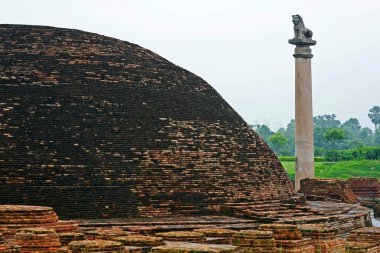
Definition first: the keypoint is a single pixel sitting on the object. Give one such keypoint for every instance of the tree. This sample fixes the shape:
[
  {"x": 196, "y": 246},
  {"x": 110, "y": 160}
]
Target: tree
[
  {"x": 278, "y": 141},
  {"x": 326, "y": 121},
  {"x": 374, "y": 115},
  {"x": 321, "y": 124},
  {"x": 377, "y": 137},
  {"x": 289, "y": 134},
  {"x": 319, "y": 140},
  {"x": 264, "y": 131},
  {"x": 352, "y": 127},
  {"x": 333, "y": 135},
  {"x": 366, "y": 136}
]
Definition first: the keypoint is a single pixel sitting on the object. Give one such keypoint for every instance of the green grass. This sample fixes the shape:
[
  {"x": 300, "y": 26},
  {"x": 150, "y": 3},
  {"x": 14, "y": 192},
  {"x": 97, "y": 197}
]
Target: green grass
[{"x": 342, "y": 170}]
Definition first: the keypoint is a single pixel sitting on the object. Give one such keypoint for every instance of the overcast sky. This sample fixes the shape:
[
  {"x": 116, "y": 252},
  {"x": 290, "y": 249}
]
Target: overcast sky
[{"x": 240, "y": 47}]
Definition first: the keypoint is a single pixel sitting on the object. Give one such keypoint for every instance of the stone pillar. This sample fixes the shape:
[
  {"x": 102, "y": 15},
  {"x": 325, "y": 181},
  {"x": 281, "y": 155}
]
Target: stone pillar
[{"x": 304, "y": 140}]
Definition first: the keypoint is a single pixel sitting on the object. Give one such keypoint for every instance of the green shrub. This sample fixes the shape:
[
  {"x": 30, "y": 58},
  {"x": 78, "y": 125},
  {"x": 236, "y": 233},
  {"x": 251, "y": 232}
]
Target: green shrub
[
  {"x": 372, "y": 153},
  {"x": 346, "y": 155},
  {"x": 359, "y": 153},
  {"x": 319, "y": 159},
  {"x": 342, "y": 169},
  {"x": 319, "y": 152},
  {"x": 293, "y": 159},
  {"x": 287, "y": 158},
  {"x": 333, "y": 156}
]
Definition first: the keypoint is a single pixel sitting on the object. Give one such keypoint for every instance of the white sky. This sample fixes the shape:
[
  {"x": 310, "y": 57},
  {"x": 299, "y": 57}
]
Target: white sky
[{"x": 240, "y": 47}]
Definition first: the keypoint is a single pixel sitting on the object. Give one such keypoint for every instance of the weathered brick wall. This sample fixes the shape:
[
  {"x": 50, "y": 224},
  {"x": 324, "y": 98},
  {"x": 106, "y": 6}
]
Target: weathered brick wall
[
  {"x": 329, "y": 188},
  {"x": 99, "y": 127},
  {"x": 365, "y": 187}
]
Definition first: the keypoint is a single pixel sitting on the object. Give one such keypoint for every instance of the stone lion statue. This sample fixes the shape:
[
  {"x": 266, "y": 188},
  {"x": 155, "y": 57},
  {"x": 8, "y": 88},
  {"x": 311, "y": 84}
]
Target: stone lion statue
[{"x": 300, "y": 31}]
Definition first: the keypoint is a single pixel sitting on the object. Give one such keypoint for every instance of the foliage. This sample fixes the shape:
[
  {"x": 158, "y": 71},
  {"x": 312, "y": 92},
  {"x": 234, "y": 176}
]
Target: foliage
[
  {"x": 342, "y": 170},
  {"x": 326, "y": 121},
  {"x": 377, "y": 137},
  {"x": 278, "y": 141},
  {"x": 289, "y": 133},
  {"x": 354, "y": 136},
  {"x": 333, "y": 155},
  {"x": 333, "y": 135},
  {"x": 374, "y": 115},
  {"x": 365, "y": 133},
  {"x": 319, "y": 152},
  {"x": 319, "y": 159},
  {"x": 292, "y": 159},
  {"x": 287, "y": 158},
  {"x": 352, "y": 127},
  {"x": 359, "y": 153},
  {"x": 264, "y": 131},
  {"x": 321, "y": 124}
]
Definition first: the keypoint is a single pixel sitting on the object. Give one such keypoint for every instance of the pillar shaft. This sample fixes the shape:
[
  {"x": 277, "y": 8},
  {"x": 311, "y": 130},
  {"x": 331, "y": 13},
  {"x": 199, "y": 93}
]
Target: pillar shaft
[
  {"x": 304, "y": 101},
  {"x": 304, "y": 140}
]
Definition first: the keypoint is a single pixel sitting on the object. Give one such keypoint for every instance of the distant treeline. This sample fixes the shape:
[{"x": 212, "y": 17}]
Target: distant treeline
[{"x": 333, "y": 139}]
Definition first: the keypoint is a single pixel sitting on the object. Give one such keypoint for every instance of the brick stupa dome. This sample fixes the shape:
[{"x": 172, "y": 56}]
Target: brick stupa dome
[{"x": 99, "y": 127}]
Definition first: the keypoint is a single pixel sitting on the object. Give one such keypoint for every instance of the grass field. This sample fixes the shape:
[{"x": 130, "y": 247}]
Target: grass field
[{"x": 343, "y": 170}]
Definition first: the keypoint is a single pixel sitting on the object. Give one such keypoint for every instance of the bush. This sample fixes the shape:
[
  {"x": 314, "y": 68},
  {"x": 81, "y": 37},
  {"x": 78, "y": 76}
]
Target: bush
[
  {"x": 333, "y": 156},
  {"x": 372, "y": 153},
  {"x": 293, "y": 159},
  {"x": 319, "y": 152},
  {"x": 347, "y": 155},
  {"x": 359, "y": 153},
  {"x": 319, "y": 159},
  {"x": 287, "y": 158}
]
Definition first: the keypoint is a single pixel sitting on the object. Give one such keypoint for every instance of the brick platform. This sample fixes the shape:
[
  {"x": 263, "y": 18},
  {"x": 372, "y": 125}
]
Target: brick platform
[
  {"x": 183, "y": 236},
  {"x": 37, "y": 240},
  {"x": 14, "y": 218},
  {"x": 367, "y": 234},
  {"x": 320, "y": 229},
  {"x": 325, "y": 239},
  {"x": 140, "y": 240},
  {"x": 175, "y": 247},
  {"x": 66, "y": 238},
  {"x": 332, "y": 188},
  {"x": 255, "y": 241},
  {"x": 288, "y": 238},
  {"x": 4, "y": 247},
  {"x": 343, "y": 216},
  {"x": 366, "y": 189},
  {"x": 361, "y": 247},
  {"x": 95, "y": 246}
]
